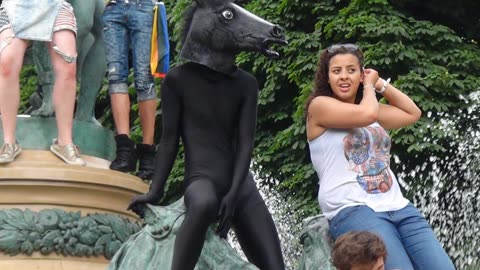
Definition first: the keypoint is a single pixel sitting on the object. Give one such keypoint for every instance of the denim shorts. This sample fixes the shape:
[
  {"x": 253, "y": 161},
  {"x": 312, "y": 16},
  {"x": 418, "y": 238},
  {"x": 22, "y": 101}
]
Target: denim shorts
[
  {"x": 410, "y": 241},
  {"x": 128, "y": 25},
  {"x": 64, "y": 20}
]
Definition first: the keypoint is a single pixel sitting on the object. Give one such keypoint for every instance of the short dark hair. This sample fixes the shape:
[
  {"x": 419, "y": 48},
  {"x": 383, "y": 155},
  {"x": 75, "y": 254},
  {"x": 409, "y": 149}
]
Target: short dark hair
[{"x": 357, "y": 248}]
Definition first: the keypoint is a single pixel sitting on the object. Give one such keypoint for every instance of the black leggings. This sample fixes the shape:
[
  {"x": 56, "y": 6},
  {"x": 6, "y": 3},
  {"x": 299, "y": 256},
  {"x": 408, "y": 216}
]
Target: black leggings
[{"x": 252, "y": 223}]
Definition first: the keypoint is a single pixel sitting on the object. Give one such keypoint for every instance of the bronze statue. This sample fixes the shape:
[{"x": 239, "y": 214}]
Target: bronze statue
[
  {"x": 152, "y": 247},
  {"x": 317, "y": 244}
]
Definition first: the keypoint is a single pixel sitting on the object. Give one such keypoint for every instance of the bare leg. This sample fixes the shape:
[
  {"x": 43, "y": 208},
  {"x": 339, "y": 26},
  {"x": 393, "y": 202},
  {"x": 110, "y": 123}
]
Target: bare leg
[
  {"x": 11, "y": 60},
  {"x": 147, "y": 149},
  {"x": 148, "y": 110},
  {"x": 64, "y": 89},
  {"x": 121, "y": 112}
]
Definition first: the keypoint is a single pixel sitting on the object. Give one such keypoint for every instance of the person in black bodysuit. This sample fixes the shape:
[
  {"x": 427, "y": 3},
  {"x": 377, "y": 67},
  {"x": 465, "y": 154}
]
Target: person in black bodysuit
[
  {"x": 215, "y": 115},
  {"x": 212, "y": 106}
]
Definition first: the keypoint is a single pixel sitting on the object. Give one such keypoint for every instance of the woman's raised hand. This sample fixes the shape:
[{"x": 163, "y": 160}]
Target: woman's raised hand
[{"x": 370, "y": 76}]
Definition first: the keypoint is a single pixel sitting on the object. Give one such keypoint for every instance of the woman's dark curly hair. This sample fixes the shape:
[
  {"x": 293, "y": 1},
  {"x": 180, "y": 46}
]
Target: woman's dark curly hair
[{"x": 321, "y": 86}]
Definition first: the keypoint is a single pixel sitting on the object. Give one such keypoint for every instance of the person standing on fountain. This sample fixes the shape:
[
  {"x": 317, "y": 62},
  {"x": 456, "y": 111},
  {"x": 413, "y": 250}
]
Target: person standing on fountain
[
  {"x": 212, "y": 106},
  {"x": 53, "y": 22},
  {"x": 350, "y": 151},
  {"x": 128, "y": 24}
]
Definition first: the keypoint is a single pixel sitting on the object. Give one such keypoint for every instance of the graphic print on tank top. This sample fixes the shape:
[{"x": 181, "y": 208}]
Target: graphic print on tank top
[{"x": 367, "y": 151}]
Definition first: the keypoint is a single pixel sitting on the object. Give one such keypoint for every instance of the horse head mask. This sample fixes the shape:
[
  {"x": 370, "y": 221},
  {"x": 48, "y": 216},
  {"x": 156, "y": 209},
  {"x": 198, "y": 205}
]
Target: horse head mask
[{"x": 216, "y": 30}]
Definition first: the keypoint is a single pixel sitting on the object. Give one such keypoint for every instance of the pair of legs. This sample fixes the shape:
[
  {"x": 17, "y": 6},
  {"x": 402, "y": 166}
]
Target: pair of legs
[
  {"x": 252, "y": 223},
  {"x": 121, "y": 115},
  {"x": 409, "y": 239},
  {"x": 128, "y": 25},
  {"x": 64, "y": 90},
  {"x": 11, "y": 61}
]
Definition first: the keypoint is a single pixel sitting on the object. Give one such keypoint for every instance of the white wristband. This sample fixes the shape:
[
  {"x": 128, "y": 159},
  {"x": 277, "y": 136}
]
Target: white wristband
[{"x": 384, "y": 87}]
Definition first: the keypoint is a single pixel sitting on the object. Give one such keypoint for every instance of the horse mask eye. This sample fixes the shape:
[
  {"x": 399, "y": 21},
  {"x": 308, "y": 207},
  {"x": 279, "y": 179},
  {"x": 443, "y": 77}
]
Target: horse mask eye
[{"x": 227, "y": 14}]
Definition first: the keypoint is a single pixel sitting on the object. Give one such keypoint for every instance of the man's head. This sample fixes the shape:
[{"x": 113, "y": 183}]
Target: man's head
[{"x": 359, "y": 251}]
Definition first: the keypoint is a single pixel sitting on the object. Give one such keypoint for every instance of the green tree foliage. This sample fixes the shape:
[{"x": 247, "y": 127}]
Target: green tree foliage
[
  {"x": 28, "y": 82},
  {"x": 424, "y": 58},
  {"x": 459, "y": 15},
  {"x": 428, "y": 61}
]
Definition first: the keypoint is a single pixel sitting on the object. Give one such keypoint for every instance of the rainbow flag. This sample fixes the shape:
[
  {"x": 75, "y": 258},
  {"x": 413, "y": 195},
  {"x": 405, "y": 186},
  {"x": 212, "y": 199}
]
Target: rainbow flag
[{"x": 160, "y": 50}]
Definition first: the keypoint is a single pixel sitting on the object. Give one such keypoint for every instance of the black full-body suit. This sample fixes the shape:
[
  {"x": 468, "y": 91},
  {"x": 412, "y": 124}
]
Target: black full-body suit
[{"x": 215, "y": 116}]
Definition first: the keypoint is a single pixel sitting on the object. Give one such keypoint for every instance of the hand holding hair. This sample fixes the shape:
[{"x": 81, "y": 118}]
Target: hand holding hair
[{"x": 370, "y": 76}]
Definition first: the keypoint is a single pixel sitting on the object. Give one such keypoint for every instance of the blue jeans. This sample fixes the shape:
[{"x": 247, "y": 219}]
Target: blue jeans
[
  {"x": 128, "y": 25},
  {"x": 410, "y": 241}
]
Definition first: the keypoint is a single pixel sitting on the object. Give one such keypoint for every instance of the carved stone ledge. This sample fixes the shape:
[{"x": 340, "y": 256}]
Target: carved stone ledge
[
  {"x": 55, "y": 216},
  {"x": 64, "y": 233},
  {"x": 38, "y": 180}
]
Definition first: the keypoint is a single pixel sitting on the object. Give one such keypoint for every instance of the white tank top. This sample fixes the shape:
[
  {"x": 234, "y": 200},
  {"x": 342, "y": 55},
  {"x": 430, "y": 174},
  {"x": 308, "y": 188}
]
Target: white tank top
[{"x": 353, "y": 166}]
